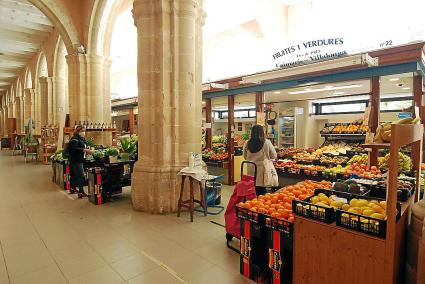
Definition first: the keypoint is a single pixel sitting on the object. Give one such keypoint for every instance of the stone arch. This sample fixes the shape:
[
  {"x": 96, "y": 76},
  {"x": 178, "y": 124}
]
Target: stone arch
[
  {"x": 102, "y": 21},
  {"x": 28, "y": 79},
  {"x": 60, "y": 83},
  {"x": 40, "y": 72},
  {"x": 58, "y": 14}
]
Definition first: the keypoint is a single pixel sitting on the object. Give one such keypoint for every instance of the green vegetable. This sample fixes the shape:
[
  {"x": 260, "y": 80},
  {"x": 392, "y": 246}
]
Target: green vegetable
[
  {"x": 112, "y": 151},
  {"x": 90, "y": 142}
]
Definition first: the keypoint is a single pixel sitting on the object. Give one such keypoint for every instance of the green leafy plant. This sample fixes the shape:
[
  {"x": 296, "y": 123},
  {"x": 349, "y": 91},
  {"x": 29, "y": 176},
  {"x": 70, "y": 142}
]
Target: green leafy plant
[
  {"x": 57, "y": 156},
  {"x": 90, "y": 142},
  {"x": 112, "y": 151},
  {"x": 245, "y": 136},
  {"x": 98, "y": 154},
  {"x": 30, "y": 140}
]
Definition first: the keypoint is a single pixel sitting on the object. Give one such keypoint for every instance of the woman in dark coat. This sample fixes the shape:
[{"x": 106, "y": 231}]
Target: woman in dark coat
[{"x": 77, "y": 150}]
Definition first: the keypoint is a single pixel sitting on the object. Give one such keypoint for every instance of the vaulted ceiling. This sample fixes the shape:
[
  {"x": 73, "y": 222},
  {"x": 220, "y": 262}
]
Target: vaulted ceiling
[{"x": 23, "y": 30}]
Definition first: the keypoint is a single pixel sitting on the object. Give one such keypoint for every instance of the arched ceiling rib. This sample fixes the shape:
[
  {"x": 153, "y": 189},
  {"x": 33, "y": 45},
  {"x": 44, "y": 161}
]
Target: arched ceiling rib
[{"x": 23, "y": 30}]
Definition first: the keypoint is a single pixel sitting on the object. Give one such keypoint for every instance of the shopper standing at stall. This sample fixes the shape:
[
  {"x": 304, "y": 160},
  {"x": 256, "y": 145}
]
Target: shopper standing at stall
[
  {"x": 259, "y": 150},
  {"x": 76, "y": 151}
]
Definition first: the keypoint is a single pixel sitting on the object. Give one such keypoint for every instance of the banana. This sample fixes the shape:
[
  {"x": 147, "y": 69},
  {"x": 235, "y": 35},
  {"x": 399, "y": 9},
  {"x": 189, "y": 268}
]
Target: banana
[
  {"x": 416, "y": 121},
  {"x": 405, "y": 121}
]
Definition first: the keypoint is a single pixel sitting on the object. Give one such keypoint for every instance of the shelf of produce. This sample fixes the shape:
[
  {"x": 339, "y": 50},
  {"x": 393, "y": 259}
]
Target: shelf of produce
[{"x": 343, "y": 134}]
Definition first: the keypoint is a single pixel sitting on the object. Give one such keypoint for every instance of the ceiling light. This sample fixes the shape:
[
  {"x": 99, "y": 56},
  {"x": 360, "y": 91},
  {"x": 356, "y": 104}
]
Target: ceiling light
[
  {"x": 327, "y": 88},
  {"x": 405, "y": 88},
  {"x": 276, "y": 93},
  {"x": 339, "y": 93},
  {"x": 394, "y": 79}
]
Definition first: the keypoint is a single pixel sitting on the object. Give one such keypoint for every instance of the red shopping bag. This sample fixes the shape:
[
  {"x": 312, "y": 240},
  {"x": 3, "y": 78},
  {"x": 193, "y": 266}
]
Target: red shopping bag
[{"x": 244, "y": 190}]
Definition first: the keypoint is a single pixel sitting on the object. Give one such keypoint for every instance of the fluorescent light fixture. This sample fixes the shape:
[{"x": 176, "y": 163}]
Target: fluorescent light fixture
[
  {"x": 327, "y": 88},
  {"x": 394, "y": 79},
  {"x": 339, "y": 93},
  {"x": 405, "y": 88},
  {"x": 358, "y": 60},
  {"x": 276, "y": 93}
]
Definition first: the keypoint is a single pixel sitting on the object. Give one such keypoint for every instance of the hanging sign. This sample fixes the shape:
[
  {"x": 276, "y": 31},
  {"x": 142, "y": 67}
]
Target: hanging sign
[
  {"x": 309, "y": 52},
  {"x": 261, "y": 118},
  {"x": 366, "y": 116}
]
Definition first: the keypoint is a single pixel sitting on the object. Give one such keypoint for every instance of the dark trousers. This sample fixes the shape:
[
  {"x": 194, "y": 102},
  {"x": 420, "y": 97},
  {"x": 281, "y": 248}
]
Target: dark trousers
[{"x": 77, "y": 176}]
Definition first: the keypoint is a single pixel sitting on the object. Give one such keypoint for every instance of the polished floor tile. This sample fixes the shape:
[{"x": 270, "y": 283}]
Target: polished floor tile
[{"x": 47, "y": 236}]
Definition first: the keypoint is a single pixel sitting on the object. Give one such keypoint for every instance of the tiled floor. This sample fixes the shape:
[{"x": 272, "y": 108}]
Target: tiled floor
[{"x": 46, "y": 237}]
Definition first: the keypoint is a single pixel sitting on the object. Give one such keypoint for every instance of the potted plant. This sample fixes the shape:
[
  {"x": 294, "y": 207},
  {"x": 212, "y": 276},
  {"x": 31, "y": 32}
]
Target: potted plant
[
  {"x": 99, "y": 156},
  {"x": 30, "y": 143},
  {"x": 128, "y": 146},
  {"x": 112, "y": 153}
]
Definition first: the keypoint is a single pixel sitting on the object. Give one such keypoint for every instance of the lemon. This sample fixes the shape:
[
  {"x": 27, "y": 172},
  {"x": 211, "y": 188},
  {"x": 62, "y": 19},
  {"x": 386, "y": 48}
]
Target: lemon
[
  {"x": 354, "y": 202},
  {"x": 378, "y": 216},
  {"x": 364, "y": 220},
  {"x": 345, "y": 207},
  {"x": 336, "y": 204},
  {"x": 368, "y": 212},
  {"x": 383, "y": 204},
  {"x": 352, "y": 210},
  {"x": 362, "y": 203},
  {"x": 314, "y": 199},
  {"x": 377, "y": 209}
]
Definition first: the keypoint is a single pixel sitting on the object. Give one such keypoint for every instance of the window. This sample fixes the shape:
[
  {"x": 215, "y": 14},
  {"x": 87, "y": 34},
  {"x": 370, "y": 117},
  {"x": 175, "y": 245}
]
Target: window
[
  {"x": 241, "y": 113},
  {"x": 224, "y": 115},
  {"x": 396, "y": 105},
  {"x": 252, "y": 113},
  {"x": 343, "y": 108}
]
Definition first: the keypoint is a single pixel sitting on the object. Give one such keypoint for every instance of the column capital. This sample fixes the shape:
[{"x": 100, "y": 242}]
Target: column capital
[{"x": 86, "y": 59}]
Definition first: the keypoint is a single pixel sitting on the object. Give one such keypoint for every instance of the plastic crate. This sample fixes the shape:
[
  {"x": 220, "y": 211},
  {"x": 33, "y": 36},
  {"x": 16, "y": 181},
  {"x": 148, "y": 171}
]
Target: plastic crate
[
  {"x": 306, "y": 209},
  {"x": 246, "y": 214},
  {"x": 364, "y": 224},
  {"x": 381, "y": 192}
]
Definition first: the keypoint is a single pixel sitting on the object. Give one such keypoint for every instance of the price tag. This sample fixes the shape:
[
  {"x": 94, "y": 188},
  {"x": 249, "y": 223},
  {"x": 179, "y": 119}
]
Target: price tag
[{"x": 207, "y": 125}]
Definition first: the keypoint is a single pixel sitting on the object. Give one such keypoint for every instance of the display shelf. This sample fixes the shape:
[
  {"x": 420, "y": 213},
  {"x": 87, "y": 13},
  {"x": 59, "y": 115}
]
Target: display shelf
[{"x": 382, "y": 259}]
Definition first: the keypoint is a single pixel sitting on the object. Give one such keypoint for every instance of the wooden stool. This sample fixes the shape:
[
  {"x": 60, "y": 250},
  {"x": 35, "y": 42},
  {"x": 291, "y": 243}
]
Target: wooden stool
[{"x": 191, "y": 202}]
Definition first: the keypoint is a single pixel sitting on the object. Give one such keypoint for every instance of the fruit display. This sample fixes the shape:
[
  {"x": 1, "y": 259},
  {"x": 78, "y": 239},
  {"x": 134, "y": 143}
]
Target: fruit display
[
  {"x": 383, "y": 132},
  {"x": 359, "y": 170},
  {"x": 359, "y": 159},
  {"x": 215, "y": 155},
  {"x": 283, "y": 163},
  {"x": 405, "y": 189},
  {"x": 240, "y": 139},
  {"x": 349, "y": 186},
  {"x": 369, "y": 208},
  {"x": 404, "y": 162},
  {"x": 327, "y": 129},
  {"x": 352, "y": 128},
  {"x": 279, "y": 204},
  {"x": 289, "y": 152},
  {"x": 305, "y": 157},
  {"x": 323, "y": 200},
  {"x": 334, "y": 149},
  {"x": 333, "y": 160}
]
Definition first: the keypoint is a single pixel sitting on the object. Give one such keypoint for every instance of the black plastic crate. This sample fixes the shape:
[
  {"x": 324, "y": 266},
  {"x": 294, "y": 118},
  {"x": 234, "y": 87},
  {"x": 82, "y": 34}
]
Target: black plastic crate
[
  {"x": 285, "y": 229},
  {"x": 360, "y": 223},
  {"x": 381, "y": 192},
  {"x": 306, "y": 209},
  {"x": 246, "y": 214},
  {"x": 364, "y": 224}
]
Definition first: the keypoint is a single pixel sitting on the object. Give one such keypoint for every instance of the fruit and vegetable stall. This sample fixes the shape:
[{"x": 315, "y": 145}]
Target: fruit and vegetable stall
[
  {"x": 107, "y": 170},
  {"x": 296, "y": 234}
]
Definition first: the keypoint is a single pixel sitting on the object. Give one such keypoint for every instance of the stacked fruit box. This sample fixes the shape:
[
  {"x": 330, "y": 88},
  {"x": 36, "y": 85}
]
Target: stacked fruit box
[
  {"x": 253, "y": 254},
  {"x": 280, "y": 250}
]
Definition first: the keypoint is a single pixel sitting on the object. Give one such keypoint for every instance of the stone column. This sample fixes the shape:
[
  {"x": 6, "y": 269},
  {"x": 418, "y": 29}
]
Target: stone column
[
  {"x": 169, "y": 73},
  {"x": 1, "y": 122},
  {"x": 86, "y": 84},
  {"x": 18, "y": 114},
  {"x": 46, "y": 100},
  {"x": 28, "y": 104},
  {"x": 59, "y": 101}
]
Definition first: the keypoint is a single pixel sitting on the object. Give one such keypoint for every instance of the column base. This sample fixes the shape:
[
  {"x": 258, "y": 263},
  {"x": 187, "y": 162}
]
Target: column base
[{"x": 155, "y": 189}]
